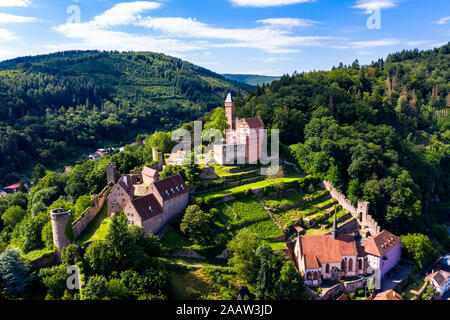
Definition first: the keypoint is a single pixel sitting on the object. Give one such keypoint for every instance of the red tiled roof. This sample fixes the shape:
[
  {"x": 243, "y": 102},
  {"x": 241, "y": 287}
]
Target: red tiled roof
[
  {"x": 388, "y": 295},
  {"x": 167, "y": 187},
  {"x": 11, "y": 187},
  {"x": 149, "y": 172},
  {"x": 343, "y": 297},
  {"x": 147, "y": 207},
  {"x": 381, "y": 243},
  {"x": 254, "y": 123},
  {"x": 322, "y": 249}
]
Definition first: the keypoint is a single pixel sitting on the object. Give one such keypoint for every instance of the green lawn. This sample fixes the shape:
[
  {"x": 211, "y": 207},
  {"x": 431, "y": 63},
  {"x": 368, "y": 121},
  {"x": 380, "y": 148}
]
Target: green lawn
[
  {"x": 320, "y": 202},
  {"x": 98, "y": 228},
  {"x": 36, "y": 254},
  {"x": 249, "y": 186},
  {"x": 240, "y": 211},
  {"x": 232, "y": 217},
  {"x": 279, "y": 201},
  {"x": 265, "y": 229}
]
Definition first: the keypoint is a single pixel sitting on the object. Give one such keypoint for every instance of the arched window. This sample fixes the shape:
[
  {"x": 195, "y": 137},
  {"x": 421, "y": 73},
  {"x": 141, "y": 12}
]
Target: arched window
[
  {"x": 360, "y": 264},
  {"x": 308, "y": 275},
  {"x": 343, "y": 267},
  {"x": 327, "y": 268},
  {"x": 315, "y": 275},
  {"x": 350, "y": 264}
]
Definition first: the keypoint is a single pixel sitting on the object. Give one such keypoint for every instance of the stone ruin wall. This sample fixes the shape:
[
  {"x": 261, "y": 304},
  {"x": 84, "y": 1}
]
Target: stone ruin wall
[
  {"x": 360, "y": 212},
  {"x": 89, "y": 214}
]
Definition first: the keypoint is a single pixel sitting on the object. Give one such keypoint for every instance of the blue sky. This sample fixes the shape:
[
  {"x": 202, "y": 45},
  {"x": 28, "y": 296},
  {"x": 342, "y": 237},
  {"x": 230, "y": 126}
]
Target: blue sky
[{"x": 269, "y": 37}]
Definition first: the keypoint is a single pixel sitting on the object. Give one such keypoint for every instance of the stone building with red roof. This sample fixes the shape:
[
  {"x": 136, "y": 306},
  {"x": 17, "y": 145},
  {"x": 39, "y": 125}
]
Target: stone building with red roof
[
  {"x": 164, "y": 200},
  {"x": 243, "y": 141},
  {"x": 147, "y": 200},
  {"x": 383, "y": 251},
  {"x": 388, "y": 295},
  {"x": 332, "y": 256},
  {"x": 337, "y": 256}
]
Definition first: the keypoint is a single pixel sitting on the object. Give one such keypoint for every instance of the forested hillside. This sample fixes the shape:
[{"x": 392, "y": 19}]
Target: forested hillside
[
  {"x": 52, "y": 105},
  {"x": 251, "y": 79},
  {"x": 379, "y": 132}
]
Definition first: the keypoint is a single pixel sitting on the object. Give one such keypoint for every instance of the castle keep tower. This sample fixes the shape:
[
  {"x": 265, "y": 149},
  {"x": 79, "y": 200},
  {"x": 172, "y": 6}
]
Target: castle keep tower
[
  {"x": 59, "y": 223},
  {"x": 111, "y": 173},
  {"x": 229, "y": 111}
]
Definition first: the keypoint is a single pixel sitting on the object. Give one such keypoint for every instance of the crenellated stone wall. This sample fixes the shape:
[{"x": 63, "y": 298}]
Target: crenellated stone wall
[
  {"x": 360, "y": 212},
  {"x": 90, "y": 213},
  {"x": 348, "y": 287}
]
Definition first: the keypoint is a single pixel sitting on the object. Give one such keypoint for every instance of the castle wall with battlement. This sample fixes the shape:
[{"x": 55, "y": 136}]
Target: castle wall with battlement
[
  {"x": 360, "y": 212},
  {"x": 89, "y": 214}
]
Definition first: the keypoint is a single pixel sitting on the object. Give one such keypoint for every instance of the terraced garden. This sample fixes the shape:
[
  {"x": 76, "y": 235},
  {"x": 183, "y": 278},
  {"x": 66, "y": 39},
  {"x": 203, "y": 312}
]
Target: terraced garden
[
  {"x": 232, "y": 217},
  {"x": 316, "y": 205}
]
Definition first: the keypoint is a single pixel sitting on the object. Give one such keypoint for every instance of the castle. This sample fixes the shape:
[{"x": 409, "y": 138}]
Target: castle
[
  {"x": 146, "y": 200},
  {"x": 244, "y": 138}
]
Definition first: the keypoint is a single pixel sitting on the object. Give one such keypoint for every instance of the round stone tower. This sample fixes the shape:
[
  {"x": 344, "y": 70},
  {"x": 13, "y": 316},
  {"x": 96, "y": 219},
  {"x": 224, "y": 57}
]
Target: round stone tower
[{"x": 59, "y": 222}]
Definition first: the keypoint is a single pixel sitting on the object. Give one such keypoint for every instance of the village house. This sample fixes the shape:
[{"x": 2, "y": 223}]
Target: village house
[
  {"x": 177, "y": 158},
  {"x": 146, "y": 200},
  {"x": 243, "y": 141},
  {"x": 12, "y": 188},
  {"x": 440, "y": 280},
  {"x": 388, "y": 295},
  {"x": 383, "y": 251}
]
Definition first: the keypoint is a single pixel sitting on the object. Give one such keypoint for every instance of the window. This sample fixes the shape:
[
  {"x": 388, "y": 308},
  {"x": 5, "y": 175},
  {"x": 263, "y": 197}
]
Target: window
[
  {"x": 360, "y": 265},
  {"x": 327, "y": 268},
  {"x": 350, "y": 265},
  {"x": 182, "y": 187},
  {"x": 151, "y": 209},
  {"x": 178, "y": 189},
  {"x": 171, "y": 189}
]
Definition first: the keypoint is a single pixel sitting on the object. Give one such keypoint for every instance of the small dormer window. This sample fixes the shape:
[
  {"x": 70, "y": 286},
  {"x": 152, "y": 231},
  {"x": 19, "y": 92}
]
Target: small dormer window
[
  {"x": 182, "y": 187},
  {"x": 167, "y": 192},
  {"x": 178, "y": 189},
  {"x": 151, "y": 209},
  {"x": 171, "y": 189}
]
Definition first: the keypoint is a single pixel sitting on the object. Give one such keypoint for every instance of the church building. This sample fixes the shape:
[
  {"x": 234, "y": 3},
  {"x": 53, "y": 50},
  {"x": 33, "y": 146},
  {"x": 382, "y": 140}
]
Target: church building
[{"x": 332, "y": 256}]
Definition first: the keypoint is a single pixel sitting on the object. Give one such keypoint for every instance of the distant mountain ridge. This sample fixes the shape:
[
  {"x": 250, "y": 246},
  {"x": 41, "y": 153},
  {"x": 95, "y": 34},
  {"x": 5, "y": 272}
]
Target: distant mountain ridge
[{"x": 251, "y": 79}]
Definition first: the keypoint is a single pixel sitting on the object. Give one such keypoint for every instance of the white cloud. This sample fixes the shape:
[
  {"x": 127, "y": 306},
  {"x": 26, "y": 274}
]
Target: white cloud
[
  {"x": 15, "y": 3},
  {"x": 6, "y": 35},
  {"x": 267, "y": 38},
  {"x": 271, "y": 59},
  {"x": 266, "y": 3},
  {"x": 370, "y": 5},
  {"x": 288, "y": 22},
  {"x": 10, "y": 18},
  {"x": 174, "y": 34},
  {"x": 124, "y": 13},
  {"x": 443, "y": 20},
  {"x": 374, "y": 43}
]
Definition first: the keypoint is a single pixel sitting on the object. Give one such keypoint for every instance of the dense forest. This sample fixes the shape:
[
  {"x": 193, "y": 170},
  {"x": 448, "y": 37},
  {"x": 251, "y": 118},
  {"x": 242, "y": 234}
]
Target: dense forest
[
  {"x": 251, "y": 79},
  {"x": 53, "y": 106},
  {"x": 379, "y": 132}
]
